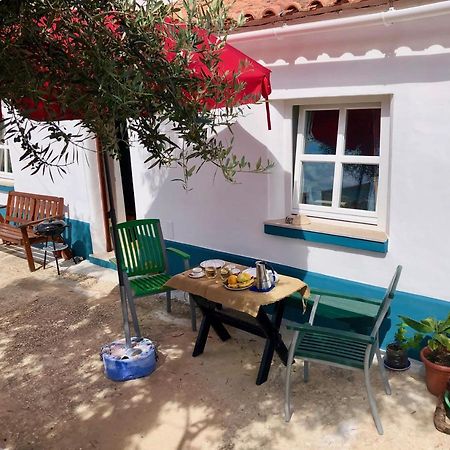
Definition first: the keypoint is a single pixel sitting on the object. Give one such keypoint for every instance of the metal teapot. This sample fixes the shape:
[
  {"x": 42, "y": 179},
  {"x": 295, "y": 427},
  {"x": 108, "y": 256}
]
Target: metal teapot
[{"x": 265, "y": 279}]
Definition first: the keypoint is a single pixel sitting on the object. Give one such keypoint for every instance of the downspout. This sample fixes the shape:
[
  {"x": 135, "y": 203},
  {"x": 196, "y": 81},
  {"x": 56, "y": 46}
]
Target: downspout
[{"x": 386, "y": 18}]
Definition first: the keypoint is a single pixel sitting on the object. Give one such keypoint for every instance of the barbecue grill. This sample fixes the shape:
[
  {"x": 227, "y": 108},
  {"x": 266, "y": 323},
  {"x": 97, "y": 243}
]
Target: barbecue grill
[{"x": 52, "y": 229}]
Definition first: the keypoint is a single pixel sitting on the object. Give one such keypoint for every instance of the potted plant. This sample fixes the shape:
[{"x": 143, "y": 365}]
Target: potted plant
[
  {"x": 397, "y": 352},
  {"x": 436, "y": 355}
]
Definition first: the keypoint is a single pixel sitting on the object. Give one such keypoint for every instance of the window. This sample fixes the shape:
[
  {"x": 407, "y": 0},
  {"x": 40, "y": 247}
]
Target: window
[
  {"x": 340, "y": 154},
  {"x": 5, "y": 162},
  {"x": 5, "y": 158}
]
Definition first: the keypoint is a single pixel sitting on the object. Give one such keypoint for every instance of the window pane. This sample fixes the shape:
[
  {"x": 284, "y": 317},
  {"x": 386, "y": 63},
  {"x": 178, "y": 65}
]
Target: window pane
[
  {"x": 8, "y": 161},
  {"x": 5, "y": 160},
  {"x": 321, "y": 132},
  {"x": 359, "y": 186},
  {"x": 362, "y": 134},
  {"x": 317, "y": 183}
]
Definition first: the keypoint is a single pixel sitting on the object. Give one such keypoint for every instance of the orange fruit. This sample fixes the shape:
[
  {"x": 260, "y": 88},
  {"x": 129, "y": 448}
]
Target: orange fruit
[{"x": 232, "y": 279}]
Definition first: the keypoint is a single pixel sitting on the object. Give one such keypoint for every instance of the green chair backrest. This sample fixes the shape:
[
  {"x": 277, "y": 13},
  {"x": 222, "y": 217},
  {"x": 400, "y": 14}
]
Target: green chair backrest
[
  {"x": 142, "y": 247},
  {"x": 387, "y": 300}
]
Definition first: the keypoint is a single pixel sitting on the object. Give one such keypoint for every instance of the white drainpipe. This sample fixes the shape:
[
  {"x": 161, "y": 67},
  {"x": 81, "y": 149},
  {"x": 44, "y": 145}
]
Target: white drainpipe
[{"x": 386, "y": 18}]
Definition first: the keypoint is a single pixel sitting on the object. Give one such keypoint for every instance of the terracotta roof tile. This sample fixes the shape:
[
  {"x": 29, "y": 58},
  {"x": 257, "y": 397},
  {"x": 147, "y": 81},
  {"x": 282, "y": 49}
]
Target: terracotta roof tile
[{"x": 272, "y": 12}]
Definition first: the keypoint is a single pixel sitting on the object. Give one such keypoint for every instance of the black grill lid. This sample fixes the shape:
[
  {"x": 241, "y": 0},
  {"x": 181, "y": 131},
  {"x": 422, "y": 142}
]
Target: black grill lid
[{"x": 50, "y": 227}]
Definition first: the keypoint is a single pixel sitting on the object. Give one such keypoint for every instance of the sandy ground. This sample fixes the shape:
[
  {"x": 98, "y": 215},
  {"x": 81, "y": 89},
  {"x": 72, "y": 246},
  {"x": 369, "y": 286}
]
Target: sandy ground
[{"x": 53, "y": 394}]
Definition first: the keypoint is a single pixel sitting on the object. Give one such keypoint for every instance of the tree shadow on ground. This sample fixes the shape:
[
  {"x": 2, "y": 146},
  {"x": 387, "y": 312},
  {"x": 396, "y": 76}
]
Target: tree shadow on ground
[{"x": 54, "y": 394}]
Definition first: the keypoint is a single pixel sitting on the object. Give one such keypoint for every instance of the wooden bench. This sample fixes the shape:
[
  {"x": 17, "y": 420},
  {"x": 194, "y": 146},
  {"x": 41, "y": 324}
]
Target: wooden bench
[{"x": 23, "y": 211}]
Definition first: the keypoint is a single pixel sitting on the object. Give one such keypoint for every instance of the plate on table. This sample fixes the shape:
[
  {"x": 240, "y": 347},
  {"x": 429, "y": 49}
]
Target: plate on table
[
  {"x": 196, "y": 274},
  {"x": 217, "y": 263},
  {"x": 239, "y": 286},
  {"x": 252, "y": 271}
]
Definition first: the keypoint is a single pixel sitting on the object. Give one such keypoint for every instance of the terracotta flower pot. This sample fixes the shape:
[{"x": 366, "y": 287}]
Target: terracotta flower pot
[{"x": 436, "y": 375}]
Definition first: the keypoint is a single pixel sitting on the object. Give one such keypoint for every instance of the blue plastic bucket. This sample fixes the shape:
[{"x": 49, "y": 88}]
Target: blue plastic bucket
[{"x": 120, "y": 367}]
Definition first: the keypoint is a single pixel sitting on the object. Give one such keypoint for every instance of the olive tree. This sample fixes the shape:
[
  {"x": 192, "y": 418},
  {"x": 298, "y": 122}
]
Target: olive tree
[{"x": 115, "y": 63}]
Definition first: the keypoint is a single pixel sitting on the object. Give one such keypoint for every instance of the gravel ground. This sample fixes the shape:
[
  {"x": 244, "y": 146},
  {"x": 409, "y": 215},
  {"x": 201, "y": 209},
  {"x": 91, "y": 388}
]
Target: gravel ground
[{"x": 53, "y": 394}]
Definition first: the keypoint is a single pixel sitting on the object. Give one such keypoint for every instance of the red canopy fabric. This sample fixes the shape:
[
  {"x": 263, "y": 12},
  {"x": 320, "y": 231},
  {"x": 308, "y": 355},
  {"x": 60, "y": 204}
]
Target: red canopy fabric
[{"x": 254, "y": 77}]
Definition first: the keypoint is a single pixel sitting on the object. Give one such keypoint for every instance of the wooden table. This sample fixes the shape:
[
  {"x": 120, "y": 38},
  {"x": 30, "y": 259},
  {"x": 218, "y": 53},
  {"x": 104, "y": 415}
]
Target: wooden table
[{"x": 243, "y": 310}]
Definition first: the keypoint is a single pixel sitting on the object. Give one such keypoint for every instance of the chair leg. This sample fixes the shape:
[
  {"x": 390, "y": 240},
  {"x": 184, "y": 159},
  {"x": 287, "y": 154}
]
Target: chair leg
[
  {"x": 168, "y": 302},
  {"x": 193, "y": 315},
  {"x": 305, "y": 371},
  {"x": 287, "y": 392},
  {"x": 384, "y": 377},
  {"x": 372, "y": 404}
]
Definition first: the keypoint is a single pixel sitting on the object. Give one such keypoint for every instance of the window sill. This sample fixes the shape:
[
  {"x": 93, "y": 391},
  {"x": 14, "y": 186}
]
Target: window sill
[
  {"x": 363, "y": 237},
  {"x": 6, "y": 184}
]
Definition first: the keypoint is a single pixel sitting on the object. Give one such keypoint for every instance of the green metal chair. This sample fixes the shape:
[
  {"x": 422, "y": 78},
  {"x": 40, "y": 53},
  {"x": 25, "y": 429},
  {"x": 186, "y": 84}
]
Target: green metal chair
[
  {"x": 144, "y": 263},
  {"x": 347, "y": 349}
]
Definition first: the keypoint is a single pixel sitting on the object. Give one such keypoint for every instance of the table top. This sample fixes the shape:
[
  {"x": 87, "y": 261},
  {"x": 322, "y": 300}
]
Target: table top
[{"x": 246, "y": 301}]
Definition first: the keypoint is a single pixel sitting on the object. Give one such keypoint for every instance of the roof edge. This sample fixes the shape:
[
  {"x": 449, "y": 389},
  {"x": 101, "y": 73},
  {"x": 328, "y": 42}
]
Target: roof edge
[{"x": 384, "y": 17}]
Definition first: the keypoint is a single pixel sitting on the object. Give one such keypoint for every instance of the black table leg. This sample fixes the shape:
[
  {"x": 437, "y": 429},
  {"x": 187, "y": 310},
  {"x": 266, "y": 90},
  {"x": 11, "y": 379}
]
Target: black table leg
[
  {"x": 265, "y": 327},
  {"x": 202, "y": 336},
  {"x": 274, "y": 341},
  {"x": 266, "y": 361},
  {"x": 208, "y": 321}
]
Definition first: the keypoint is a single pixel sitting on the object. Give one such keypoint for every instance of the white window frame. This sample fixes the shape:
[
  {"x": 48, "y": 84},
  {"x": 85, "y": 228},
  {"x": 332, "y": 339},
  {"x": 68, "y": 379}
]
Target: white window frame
[
  {"x": 334, "y": 212},
  {"x": 6, "y": 170},
  {"x": 5, "y": 162}
]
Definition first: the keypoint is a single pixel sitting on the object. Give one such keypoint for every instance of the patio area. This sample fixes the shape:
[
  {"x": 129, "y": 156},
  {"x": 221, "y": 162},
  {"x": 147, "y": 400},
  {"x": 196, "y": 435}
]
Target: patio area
[{"x": 53, "y": 393}]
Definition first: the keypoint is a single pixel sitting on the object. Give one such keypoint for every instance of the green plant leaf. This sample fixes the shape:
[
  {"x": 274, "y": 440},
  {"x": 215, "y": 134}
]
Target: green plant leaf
[
  {"x": 433, "y": 345},
  {"x": 444, "y": 341},
  {"x": 421, "y": 327}
]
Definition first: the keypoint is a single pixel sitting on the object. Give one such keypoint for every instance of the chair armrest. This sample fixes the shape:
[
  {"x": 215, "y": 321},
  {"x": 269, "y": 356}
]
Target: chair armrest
[
  {"x": 345, "y": 296},
  {"x": 178, "y": 252},
  {"x": 35, "y": 222},
  {"x": 312, "y": 329},
  {"x": 181, "y": 254}
]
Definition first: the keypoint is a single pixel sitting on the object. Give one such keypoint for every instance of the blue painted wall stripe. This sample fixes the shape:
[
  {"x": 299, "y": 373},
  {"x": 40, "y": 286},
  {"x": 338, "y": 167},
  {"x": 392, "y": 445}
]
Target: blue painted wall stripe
[
  {"x": 102, "y": 262},
  {"x": 415, "y": 306},
  {"x": 323, "y": 238},
  {"x": 78, "y": 237},
  {"x": 4, "y": 188}
]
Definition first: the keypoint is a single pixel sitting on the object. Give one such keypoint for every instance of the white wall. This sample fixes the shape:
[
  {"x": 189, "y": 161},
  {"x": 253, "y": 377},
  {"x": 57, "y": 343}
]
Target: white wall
[{"x": 410, "y": 62}]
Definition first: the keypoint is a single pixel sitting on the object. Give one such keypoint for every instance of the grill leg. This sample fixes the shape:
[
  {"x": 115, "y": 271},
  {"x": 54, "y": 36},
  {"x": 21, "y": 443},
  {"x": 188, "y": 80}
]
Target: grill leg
[
  {"x": 45, "y": 252},
  {"x": 56, "y": 256}
]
